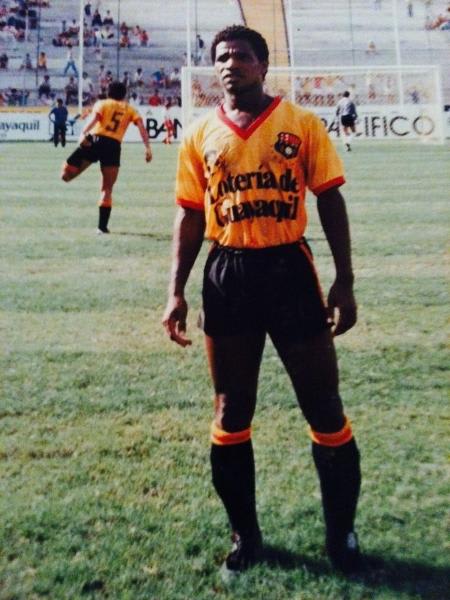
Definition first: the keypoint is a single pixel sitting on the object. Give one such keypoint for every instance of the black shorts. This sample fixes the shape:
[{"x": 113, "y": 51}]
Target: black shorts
[
  {"x": 348, "y": 121},
  {"x": 103, "y": 149},
  {"x": 274, "y": 290}
]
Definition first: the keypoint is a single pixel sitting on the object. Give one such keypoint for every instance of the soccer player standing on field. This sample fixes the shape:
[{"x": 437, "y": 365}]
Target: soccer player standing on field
[
  {"x": 108, "y": 124},
  {"x": 346, "y": 112},
  {"x": 242, "y": 175}
]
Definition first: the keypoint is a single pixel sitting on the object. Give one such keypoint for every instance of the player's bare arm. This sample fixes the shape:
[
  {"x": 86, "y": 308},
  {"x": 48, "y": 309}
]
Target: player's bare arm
[
  {"x": 88, "y": 127},
  {"x": 188, "y": 234},
  {"x": 145, "y": 139},
  {"x": 334, "y": 220}
]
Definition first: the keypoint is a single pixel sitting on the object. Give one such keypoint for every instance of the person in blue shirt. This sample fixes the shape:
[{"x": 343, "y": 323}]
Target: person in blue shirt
[{"x": 58, "y": 116}]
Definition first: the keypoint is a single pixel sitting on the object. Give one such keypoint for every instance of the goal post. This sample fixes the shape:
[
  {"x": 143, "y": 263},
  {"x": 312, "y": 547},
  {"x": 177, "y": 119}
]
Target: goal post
[{"x": 393, "y": 103}]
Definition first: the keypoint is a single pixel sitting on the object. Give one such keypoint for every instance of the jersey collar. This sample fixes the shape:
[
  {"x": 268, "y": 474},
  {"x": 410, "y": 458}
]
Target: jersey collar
[{"x": 247, "y": 132}]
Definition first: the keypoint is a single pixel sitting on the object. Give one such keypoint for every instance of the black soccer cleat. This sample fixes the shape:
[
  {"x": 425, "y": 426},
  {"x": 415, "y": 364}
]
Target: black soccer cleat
[
  {"x": 245, "y": 552},
  {"x": 344, "y": 553}
]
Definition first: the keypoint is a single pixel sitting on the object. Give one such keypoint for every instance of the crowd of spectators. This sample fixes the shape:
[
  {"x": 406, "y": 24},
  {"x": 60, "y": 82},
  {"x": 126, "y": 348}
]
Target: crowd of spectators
[
  {"x": 101, "y": 30},
  {"x": 151, "y": 88}
]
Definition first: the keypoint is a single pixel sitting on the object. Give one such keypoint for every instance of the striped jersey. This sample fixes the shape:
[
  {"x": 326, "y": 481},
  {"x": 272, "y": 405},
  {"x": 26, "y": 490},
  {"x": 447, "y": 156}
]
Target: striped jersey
[
  {"x": 115, "y": 116},
  {"x": 252, "y": 182}
]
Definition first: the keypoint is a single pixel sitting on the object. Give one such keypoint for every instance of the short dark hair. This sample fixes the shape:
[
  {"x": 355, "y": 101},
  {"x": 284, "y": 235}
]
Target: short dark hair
[
  {"x": 240, "y": 32},
  {"x": 117, "y": 90},
  {"x": 346, "y": 93}
]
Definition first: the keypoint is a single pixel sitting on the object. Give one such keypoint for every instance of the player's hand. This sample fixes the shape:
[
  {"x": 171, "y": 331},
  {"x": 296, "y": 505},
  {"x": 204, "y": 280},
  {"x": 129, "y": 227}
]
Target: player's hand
[
  {"x": 148, "y": 154},
  {"x": 174, "y": 320},
  {"x": 342, "y": 300}
]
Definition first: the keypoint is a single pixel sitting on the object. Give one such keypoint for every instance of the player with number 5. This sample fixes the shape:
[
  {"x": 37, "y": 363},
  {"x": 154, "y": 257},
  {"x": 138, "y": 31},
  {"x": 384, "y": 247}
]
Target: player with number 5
[{"x": 101, "y": 140}]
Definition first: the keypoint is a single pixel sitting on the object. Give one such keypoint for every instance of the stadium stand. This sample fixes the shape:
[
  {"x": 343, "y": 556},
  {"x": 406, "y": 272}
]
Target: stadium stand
[{"x": 326, "y": 33}]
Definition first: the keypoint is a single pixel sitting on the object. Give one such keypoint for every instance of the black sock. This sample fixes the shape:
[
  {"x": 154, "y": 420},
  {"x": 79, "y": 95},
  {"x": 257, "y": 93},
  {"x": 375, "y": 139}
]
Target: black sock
[
  {"x": 340, "y": 480},
  {"x": 103, "y": 217},
  {"x": 233, "y": 475}
]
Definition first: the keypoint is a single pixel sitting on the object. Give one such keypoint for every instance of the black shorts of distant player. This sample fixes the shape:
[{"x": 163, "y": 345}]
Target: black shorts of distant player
[
  {"x": 348, "y": 121},
  {"x": 273, "y": 290},
  {"x": 97, "y": 148}
]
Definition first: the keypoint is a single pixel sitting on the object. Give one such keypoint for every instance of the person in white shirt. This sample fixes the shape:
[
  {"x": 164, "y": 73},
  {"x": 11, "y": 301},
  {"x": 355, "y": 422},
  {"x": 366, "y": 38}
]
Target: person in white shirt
[{"x": 346, "y": 111}]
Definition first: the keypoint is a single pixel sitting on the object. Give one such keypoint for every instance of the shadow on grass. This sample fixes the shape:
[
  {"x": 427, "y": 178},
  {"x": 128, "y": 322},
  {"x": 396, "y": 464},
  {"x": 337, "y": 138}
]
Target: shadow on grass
[{"x": 424, "y": 581}]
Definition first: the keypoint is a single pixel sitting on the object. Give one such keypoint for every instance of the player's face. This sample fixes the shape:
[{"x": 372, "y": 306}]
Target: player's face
[{"x": 238, "y": 67}]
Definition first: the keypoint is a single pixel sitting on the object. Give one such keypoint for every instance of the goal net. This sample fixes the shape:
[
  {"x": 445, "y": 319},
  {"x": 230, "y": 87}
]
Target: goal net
[{"x": 393, "y": 103}]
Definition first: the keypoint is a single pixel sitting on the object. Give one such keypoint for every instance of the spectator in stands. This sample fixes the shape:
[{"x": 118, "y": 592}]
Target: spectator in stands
[
  {"x": 410, "y": 8},
  {"x": 26, "y": 63},
  {"x": 88, "y": 37},
  {"x": 124, "y": 41},
  {"x": 88, "y": 9},
  {"x": 174, "y": 77},
  {"x": 143, "y": 38},
  {"x": 439, "y": 22},
  {"x": 98, "y": 40},
  {"x": 126, "y": 80},
  {"x": 101, "y": 73},
  {"x": 18, "y": 98},
  {"x": 159, "y": 77},
  {"x": 12, "y": 97},
  {"x": 108, "y": 20},
  {"x": 42, "y": 61},
  {"x": 96, "y": 19},
  {"x": 4, "y": 59},
  {"x": 201, "y": 50},
  {"x": 389, "y": 90},
  {"x": 107, "y": 33},
  {"x": 414, "y": 94},
  {"x": 87, "y": 88},
  {"x": 134, "y": 100},
  {"x": 58, "y": 116},
  {"x": 138, "y": 78},
  {"x": 73, "y": 29},
  {"x": 45, "y": 90},
  {"x": 108, "y": 79},
  {"x": 135, "y": 35},
  {"x": 155, "y": 99},
  {"x": 371, "y": 48},
  {"x": 70, "y": 64},
  {"x": 71, "y": 91}
]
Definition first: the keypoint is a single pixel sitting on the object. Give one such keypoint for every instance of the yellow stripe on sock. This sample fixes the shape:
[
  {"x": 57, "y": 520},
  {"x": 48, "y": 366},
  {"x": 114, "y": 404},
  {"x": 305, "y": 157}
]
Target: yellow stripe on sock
[
  {"x": 225, "y": 438},
  {"x": 339, "y": 438}
]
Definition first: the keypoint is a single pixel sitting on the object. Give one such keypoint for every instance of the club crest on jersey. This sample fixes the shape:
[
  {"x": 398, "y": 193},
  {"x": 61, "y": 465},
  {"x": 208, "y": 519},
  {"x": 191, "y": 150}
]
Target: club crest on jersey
[{"x": 287, "y": 144}]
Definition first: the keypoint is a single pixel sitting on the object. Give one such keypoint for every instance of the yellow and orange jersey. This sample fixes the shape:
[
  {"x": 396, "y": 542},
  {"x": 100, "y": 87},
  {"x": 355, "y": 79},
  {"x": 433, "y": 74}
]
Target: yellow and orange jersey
[
  {"x": 252, "y": 182},
  {"x": 115, "y": 116}
]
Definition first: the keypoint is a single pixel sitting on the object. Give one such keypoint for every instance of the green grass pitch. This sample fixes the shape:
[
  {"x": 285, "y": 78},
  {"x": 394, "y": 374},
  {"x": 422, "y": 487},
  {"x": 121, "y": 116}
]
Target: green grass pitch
[{"x": 104, "y": 476}]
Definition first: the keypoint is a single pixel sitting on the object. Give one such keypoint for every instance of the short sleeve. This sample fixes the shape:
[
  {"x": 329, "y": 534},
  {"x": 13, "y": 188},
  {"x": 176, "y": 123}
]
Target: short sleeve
[
  {"x": 97, "y": 108},
  {"x": 323, "y": 165},
  {"x": 134, "y": 115},
  {"x": 191, "y": 182}
]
